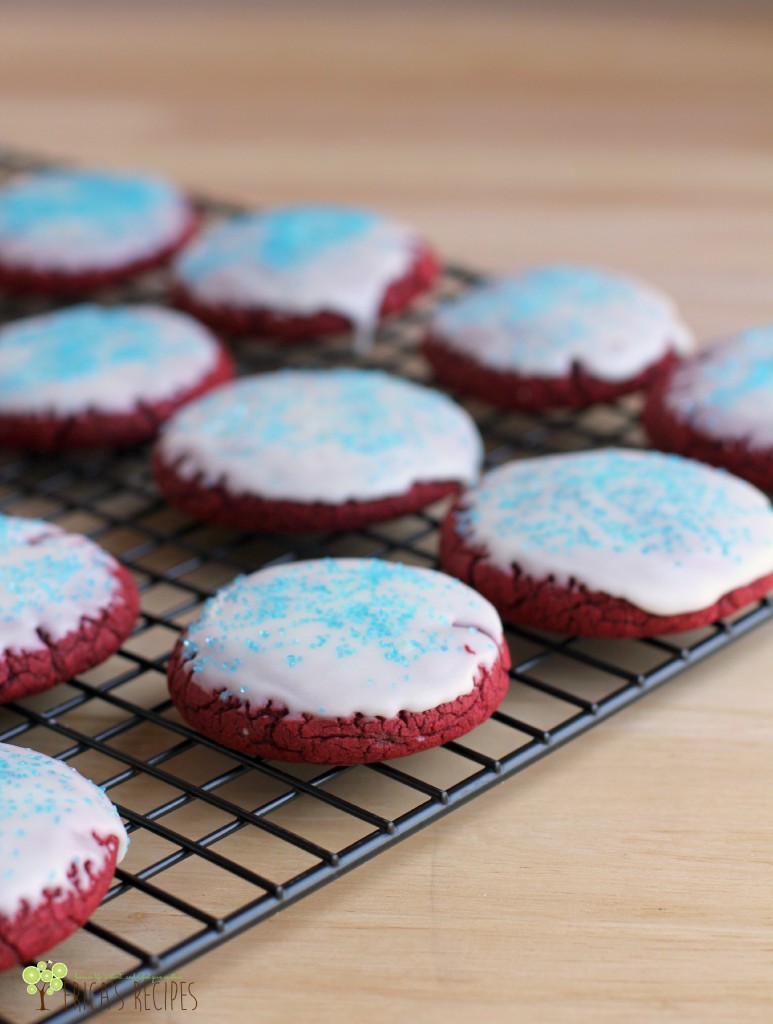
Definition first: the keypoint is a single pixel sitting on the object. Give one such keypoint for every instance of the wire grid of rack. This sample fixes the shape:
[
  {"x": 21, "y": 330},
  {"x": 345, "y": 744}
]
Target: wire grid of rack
[{"x": 266, "y": 834}]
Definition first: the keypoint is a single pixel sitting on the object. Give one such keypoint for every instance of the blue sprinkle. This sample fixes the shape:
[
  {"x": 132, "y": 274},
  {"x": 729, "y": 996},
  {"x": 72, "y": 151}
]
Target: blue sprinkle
[
  {"x": 87, "y": 343},
  {"x": 281, "y": 240},
  {"x": 524, "y": 309},
  {"x": 103, "y": 205}
]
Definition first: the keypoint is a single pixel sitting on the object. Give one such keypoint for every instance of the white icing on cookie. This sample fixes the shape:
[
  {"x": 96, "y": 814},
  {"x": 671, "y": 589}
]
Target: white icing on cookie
[
  {"x": 727, "y": 390},
  {"x": 300, "y": 261},
  {"x": 78, "y": 220},
  {"x": 337, "y": 637},
  {"x": 322, "y": 435},
  {"x": 542, "y": 322},
  {"x": 49, "y": 580},
  {"x": 49, "y": 815},
  {"x": 667, "y": 534},
  {"x": 104, "y": 358}
]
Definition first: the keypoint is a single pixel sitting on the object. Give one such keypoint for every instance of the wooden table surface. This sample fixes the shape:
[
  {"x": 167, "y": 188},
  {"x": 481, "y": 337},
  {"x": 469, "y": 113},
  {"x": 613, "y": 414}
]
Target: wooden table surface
[{"x": 629, "y": 876}]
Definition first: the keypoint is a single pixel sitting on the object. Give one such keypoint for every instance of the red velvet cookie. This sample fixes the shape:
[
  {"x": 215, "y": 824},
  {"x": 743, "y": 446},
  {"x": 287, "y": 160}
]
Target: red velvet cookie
[
  {"x": 340, "y": 661},
  {"x": 554, "y": 336},
  {"x": 94, "y": 375},
  {"x": 718, "y": 407},
  {"x": 612, "y": 543},
  {"x": 60, "y": 839},
  {"x": 67, "y": 230},
  {"x": 65, "y": 606},
  {"x": 315, "y": 450},
  {"x": 303, "y": 272}
]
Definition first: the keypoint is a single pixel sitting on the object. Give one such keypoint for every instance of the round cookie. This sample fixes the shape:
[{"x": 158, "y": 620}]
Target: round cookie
[
  {"x": 67, "y": 230},
  {"x": 60, "y": 840},
  {"x": 315, "y": 450},
  {"x": 554, "y": 336},
  {"x": 300, "y": 272},
  {"x": 612, "y": 543},
  {"x": 717, "y": 406},
  {"x": 340, "y": 661},
  {"x": 65, "y": 606},
  {"x": 93, "y": 375}
]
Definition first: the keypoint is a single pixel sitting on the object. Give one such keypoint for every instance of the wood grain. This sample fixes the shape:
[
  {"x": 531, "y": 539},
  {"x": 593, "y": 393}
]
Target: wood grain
[{"x": 628, "y": 878}]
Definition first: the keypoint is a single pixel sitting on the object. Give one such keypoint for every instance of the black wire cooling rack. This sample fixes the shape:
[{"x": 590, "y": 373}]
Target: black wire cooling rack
[{"x": 257, "y": 836}]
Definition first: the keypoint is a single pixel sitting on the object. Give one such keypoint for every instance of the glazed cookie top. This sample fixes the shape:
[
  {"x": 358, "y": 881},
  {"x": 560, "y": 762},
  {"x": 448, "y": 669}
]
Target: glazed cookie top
[
  {"x": 322, "y": 435},
  {"x": 49, "y": 818},
  {"x": 667, "y": 534},
  {"x": 337, "y": 637},
  {"x": 104, "y": 358},
  {"x": 300, "y": 260},
  {"x": 542, "y": 322},
  {"x": 49, "y": 580},
  {"x": 75, "y": 220},
  {"x": 726, "y": 390}
]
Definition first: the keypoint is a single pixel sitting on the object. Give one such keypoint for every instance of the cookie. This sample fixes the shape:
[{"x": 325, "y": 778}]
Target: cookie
[
  {"x": 301, "y": 272},
  {"x": 718, "y": 406},
  {"x": 66, "y": 230},
  {"x": 612, "y": 543},
  {"x": 65, "y": 606},
  {"x": 315, "y": 450},
  {"x": 93, "y": 375},
  {"x": 60, "y": 840},
  {"x": 554, "y": 336},
  {"x": 340, "y": 661}
]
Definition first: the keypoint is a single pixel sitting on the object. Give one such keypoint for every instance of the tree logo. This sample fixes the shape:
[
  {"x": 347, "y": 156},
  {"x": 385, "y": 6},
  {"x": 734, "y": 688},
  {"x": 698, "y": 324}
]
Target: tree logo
[{"x": 44, "y": 979}]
